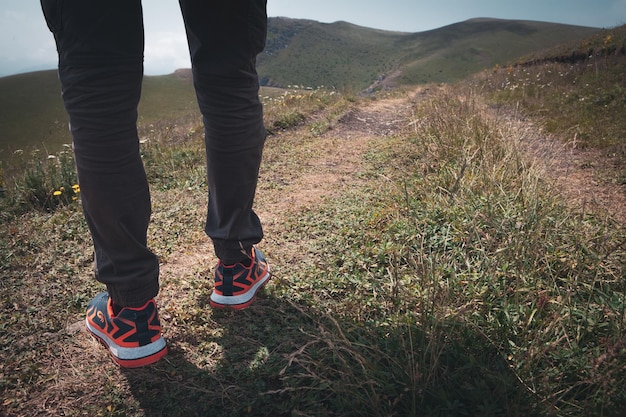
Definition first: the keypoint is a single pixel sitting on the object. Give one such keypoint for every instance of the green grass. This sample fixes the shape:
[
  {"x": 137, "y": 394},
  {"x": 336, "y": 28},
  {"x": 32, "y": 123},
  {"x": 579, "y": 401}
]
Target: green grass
[
  {"x": 33, "y": 119},
  {"x": 339, "y": 55},
  {"x": 31, "y": 113},
  {"x": 449, "y": 280},
  {"x": 172, "y": 92}
]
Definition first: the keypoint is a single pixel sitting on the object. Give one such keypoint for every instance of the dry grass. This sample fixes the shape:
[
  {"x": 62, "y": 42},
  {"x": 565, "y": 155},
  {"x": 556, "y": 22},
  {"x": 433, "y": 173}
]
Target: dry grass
[{"x": 423, "y": 266}]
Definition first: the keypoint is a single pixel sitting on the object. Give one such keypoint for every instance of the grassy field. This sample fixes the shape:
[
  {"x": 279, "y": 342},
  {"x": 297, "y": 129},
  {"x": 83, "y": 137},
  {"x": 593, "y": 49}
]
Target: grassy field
[
  {"x": 34, "y": 123},
  {"x": 423, "y": 266},
  {"x": 31, "y": 113}
]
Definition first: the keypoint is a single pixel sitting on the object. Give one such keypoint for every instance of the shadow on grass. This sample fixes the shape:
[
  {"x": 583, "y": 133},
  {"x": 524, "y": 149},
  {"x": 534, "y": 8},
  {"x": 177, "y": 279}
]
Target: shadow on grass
[{"x": 282, "y": 359}]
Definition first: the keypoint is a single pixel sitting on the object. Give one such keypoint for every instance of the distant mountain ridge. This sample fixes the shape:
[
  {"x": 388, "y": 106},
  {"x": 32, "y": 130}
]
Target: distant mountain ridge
[{"x": 347, "y": 56}]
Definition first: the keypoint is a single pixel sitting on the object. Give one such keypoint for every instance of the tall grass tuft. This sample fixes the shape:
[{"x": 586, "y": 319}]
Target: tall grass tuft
[{"x": 576, "y": 91}]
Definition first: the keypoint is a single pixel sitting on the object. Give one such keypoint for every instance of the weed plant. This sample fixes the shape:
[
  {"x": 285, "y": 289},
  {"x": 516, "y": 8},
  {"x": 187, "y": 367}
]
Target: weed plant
[
  {"x": 39, "y": 183},
  {"x": 294, "y": 106}
]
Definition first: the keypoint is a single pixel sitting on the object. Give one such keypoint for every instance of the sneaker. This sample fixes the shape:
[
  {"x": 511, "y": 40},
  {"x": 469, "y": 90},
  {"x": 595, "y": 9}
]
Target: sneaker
[
  {"x": 133, "y": 337},
  {"x": 237, "y": 285}
]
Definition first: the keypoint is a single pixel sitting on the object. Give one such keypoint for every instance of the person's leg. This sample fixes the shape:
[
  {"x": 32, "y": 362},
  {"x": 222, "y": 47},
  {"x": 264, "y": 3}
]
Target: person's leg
[
  {"x": 100, "y": 46},
  {"x": 225, "y": 37}
]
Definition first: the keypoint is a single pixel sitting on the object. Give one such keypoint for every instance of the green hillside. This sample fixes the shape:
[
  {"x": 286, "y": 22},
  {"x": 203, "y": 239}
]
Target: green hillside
[
  {"x": 299, "y": 52},
  {"x": 577, "y": 92},
  {"x": 340, "y": 54},
  {"x": 347, "y": 56},
  {"x": 32, "y": 113}
]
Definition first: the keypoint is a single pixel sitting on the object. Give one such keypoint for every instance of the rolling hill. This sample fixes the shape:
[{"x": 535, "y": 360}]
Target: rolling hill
[
  {"x": 305, "y": 53},
  {"x": 347, "y": 56}
]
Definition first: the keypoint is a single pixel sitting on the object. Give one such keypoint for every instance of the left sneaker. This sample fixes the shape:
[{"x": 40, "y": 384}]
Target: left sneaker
[
  {"x": 133, "y": 336},
  {"x": 237, "y": 285}
]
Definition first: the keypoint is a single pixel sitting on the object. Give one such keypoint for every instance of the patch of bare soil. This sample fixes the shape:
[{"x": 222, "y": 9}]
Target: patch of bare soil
[
  {"x": 333, "y": 167},
  {"x": 339, "y": 154}
]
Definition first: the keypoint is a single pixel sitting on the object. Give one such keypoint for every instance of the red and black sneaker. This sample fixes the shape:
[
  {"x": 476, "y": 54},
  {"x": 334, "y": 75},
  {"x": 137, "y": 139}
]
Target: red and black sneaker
[
  {"x": 237, "y": 285},
  {"x": 133, "y": 336}
]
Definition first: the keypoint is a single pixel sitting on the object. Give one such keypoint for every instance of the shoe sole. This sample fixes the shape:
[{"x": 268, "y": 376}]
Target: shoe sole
[
  {"x": 239, "y": 302},
  {"x": 130, "y": 357}
]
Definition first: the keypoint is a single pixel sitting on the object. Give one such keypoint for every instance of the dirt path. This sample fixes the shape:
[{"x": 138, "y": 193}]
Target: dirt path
[
  {"x": 337, "y": 159},
  {"x": 339, "y": 154},
  {"x": 332, "y": 166},
  {"x": 573, "y": 171}
]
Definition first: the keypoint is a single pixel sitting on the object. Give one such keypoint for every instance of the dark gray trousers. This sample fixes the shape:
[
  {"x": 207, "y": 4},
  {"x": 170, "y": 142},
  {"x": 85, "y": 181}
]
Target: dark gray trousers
[{"x": 100, "y": 45}]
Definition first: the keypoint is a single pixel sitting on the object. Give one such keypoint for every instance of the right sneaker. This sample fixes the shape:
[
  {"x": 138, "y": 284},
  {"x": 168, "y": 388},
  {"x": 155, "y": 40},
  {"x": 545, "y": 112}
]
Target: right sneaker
[
  {"x": 237, "y": 285},
  {"x": 133, "y": 336}
]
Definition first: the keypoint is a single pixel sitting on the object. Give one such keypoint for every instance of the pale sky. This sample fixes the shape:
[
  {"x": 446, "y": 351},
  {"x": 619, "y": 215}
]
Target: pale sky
[{"x": 27, "y": 45}]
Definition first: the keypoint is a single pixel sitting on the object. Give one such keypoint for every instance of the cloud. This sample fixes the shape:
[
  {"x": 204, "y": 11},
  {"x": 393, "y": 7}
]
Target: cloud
[
  {"x": 165, "y": 52},
  {"x": 26, "y": 43}
]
